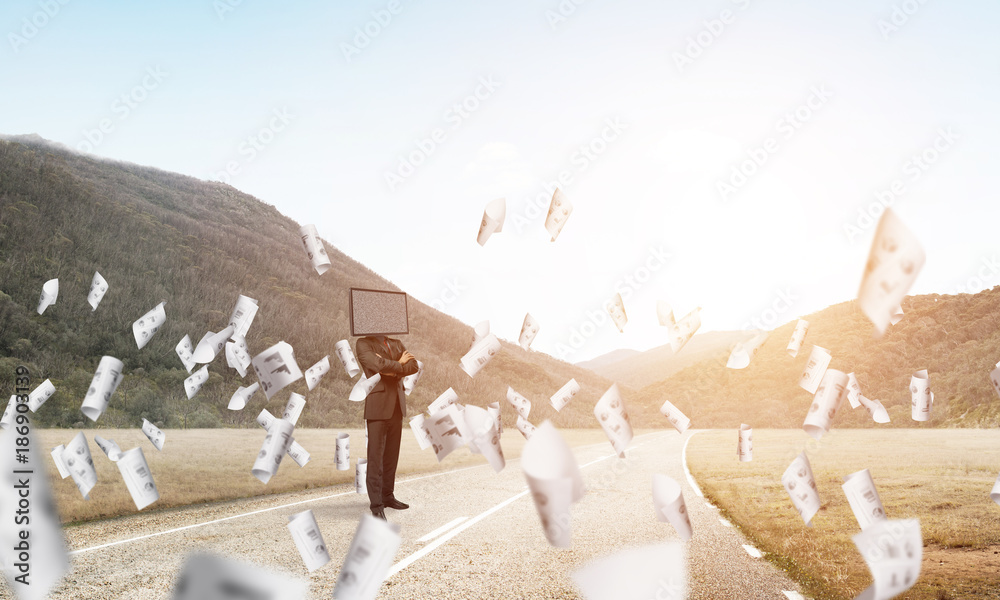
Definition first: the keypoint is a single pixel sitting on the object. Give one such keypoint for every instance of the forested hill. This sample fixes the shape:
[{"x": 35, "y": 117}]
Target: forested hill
[{"x": 158, "y": 236}]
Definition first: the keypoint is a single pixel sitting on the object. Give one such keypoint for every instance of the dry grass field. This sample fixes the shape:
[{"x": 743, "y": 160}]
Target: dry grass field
[
  {"x": 942, "y": 477},
  {"x": 210, "y": 465}
]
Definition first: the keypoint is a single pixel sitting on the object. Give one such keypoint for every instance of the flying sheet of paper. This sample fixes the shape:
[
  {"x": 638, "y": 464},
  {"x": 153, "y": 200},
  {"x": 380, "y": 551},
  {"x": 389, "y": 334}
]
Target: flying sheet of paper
[
  {"x": 853, "y": 390},
  {"x": 148, "y": 324},
  {"x": 238, "y": 355},
  {"x": 611, "y": 414},
  {"x": 529, "y": 329},
  {"x": 921, "y": 397},
  {"x": 372, "y": 550},
  {"x": 483, "y": 436},
  {"x": 559, "y": 211},
  {"x": 447, "y": 430},
  {"x": 616, "y": 308},
  {"x": 875, "y": 409},
  {"x": 555, "y": 481},
  {"x": 138, "y": 479},
  {"x": 673, "y": 414},
  {"x": 317, "y": 371},
  {"x": 493, "y": 218},
  {"x": 308, "y": 539},
  {"x": 40, "y": 394},
  {"x": 410, "y": 381},
  {"x": 480, "y": 354},
  {"x": 102, "y": 387},
  {"x": 494, "y": 409},
  {"x": 314, "y": 248},
  {"x": 293, "y": 408},
  {"x": 863, "y": 498},
  {"x": 57, "y": 457},
  {"x": 744, "y": 352},
  {"x": 242, "y": 396},
  {"x": 893, "y": 551},
  {"x": 361, "y": 476},
  {"x": 798, "y": 336},
  {"x": 658, "y": 571},
  {"x": 812, "y": 375},
  {"x": 417, "y": 425},
  {"x": 37, "y": 531},
  {"x": 8, "y": 413},
  {"x": 346, "y": 356},
  {"x": 479, "y": 332},
  {"x": 669, "y": 504},
  {"x": 894, "y": 262},
  {"x": 295, "y": 451},
  {"x": 209, "y": 577},
  {"x": 680, "y": 333},
  {"x": 995, "y": 378},
  {"x": 154, "y": 434},
  {"x": 744, "y": 443},
  {"x": 363, "y": 387},
  {"x": 243, "y": 315},
  {"x": 80, "y": 464},
  {"x": 342, "y": 452},
  {"x": 276, "y": 368},
  {"x": 275, "y": 446},
  {"x": 110, "y": 448},
  {"x": 194, "y": 382},
  {"x": 525, "y": 427},
  {"x": 50, "y": 292},
  {"x": 210, "y": 345},
  {"x": 185, "y": 352},
  {"x": 564, "y": 394},
  {"x": 801, "y": 487},
  {"x": 521, "y": 404},
  {"x": 995, "y": 494},
  {"x": 830, "y": 394},
  {"x": 897, "y": 315},
  {"x": 98, "y": 287}
]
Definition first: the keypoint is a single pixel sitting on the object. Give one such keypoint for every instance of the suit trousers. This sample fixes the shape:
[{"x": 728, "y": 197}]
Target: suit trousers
[{"x": 383, "y": 455}]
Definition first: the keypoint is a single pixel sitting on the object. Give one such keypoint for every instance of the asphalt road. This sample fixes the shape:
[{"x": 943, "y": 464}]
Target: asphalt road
[{"x": 487, "y": 540}]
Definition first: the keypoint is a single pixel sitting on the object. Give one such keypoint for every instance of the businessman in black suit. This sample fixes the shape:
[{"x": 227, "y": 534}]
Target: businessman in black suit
[{"x": 385, "y": 408}]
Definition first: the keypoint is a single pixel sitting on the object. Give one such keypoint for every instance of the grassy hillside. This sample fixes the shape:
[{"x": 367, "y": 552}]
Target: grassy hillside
[
  {"x": 197, "y": 245},
  {"x": 956, "y": 338}
]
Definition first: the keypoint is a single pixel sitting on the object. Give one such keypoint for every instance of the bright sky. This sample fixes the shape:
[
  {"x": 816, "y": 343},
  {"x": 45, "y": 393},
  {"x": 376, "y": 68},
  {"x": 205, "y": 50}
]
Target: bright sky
[{"x": 666, "y": 98}]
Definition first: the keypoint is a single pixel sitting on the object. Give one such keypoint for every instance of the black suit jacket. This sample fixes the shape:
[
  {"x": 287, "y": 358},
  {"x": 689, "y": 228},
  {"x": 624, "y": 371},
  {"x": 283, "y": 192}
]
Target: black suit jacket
[{"x": 375, "y": 358}]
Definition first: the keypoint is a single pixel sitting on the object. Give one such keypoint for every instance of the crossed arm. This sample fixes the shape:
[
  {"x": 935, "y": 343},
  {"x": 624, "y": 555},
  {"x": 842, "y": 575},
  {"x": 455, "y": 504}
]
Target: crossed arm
[{"x": 374, "y": 362}]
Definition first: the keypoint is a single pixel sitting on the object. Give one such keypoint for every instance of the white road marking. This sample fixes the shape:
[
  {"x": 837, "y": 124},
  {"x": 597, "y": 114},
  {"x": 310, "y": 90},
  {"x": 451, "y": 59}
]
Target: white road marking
[
  {"x": 430, "y": 536},
  {"x": 725, "y": 522},
  {"x": 752, "y": 551},
  {"x": 793, "y": 595},
  {"x": 687, "y": 472}
]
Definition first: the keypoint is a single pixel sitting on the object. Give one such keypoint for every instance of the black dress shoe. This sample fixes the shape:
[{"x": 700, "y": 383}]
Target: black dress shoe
[
  {"x": 379, "y": 513},
  {"x": 396, "y": 504}
]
